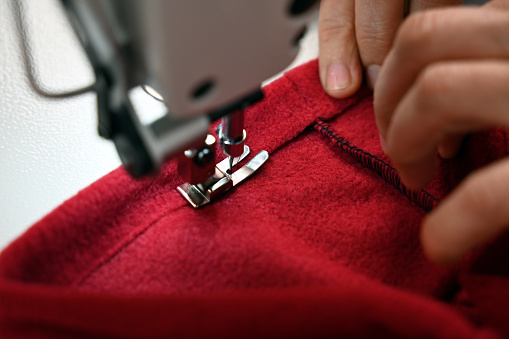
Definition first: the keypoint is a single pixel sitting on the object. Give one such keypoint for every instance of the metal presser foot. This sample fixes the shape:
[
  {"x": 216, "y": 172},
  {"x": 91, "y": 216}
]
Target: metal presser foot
[{"x": 205, "y": 180}]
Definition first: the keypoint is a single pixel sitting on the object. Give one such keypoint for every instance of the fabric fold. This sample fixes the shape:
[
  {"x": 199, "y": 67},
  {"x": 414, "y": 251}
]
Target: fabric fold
[{"x": 323, "y": 241}]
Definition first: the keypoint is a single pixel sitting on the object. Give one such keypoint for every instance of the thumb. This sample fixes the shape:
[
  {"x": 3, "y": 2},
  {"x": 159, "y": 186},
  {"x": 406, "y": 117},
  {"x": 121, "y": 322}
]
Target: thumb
[{"x": 340, "y": 69}]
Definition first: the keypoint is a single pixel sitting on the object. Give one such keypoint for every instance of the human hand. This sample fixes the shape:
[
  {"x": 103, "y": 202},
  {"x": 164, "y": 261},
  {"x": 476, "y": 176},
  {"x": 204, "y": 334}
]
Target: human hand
[
  {"x": 358, "y": 34},
  {"x": 446, "y": 75}
]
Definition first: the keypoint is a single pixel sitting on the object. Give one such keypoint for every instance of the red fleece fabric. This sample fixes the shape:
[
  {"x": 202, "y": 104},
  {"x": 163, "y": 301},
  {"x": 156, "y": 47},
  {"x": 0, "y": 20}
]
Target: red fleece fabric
[{"x": 322, "y": 242}]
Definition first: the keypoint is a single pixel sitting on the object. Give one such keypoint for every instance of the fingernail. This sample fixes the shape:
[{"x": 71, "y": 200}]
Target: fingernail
[
  {"x": 383, "y": 143},
  {"x": 338, "y": 77},
  {"x": 372, "y": 73}
]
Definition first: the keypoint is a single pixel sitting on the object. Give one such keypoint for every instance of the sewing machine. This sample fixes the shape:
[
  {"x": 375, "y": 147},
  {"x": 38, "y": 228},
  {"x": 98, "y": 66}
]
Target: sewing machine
[{"x": 205, "y": 60}]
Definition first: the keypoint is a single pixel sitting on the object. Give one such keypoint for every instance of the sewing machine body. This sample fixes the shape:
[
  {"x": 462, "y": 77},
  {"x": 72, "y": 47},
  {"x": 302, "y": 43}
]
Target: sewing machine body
[{"x": 204, "y": 59}]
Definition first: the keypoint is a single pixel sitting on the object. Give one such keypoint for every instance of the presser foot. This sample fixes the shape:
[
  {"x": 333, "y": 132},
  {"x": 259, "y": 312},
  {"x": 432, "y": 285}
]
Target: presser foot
[{"x": 223, "y": 179}]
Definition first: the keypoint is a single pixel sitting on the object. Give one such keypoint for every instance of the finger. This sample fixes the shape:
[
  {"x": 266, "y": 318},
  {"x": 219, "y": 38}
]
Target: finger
[
  {"x": 420, "y": 5},
  {"x": 497, "y": 4},
  {"x": 376, "y": 23},
  {"x": 451, "y": 146},
  {"x": 476, "y": 211},
  {"x": 447, "y": 99},
  {"x": 340, "y": 69},
  {"x": 431, "y": 36}
]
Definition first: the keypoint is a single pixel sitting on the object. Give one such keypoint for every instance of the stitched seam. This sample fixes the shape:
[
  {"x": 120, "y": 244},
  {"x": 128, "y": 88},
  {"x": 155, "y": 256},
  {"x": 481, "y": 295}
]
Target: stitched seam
[
  {"x": 105, "y": 259},
  {"x": 298, "y": 88},
  {"x": 422, "y": 198},
  {"x": 128, "y": 240}
]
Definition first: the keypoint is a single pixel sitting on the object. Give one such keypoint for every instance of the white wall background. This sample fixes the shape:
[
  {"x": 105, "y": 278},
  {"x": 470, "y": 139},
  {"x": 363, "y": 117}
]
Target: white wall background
[{"x": 48, "y": 148}]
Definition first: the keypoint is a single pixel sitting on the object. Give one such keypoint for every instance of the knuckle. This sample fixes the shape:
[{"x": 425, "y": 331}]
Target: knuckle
[
  {"x": 417, "y": 30},
  {"x": 332, "y": 30},
  {"x": 376, "y": 36},
  {"x": 371, "y": 52},
  {"x": 374, "y": 41},
  {"x": 433, "y": 88},
  {"x": 429, "y": 87},
  {"x": 430, "y": 82}
]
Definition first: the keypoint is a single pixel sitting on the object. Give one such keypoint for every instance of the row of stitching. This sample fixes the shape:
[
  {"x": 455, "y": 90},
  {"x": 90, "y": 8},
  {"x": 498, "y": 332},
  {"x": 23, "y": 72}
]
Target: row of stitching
[
  {"x": 125, "y": 242},
  {"x": 422, "y": 198},
  {"x": 133, "y": 236}
]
